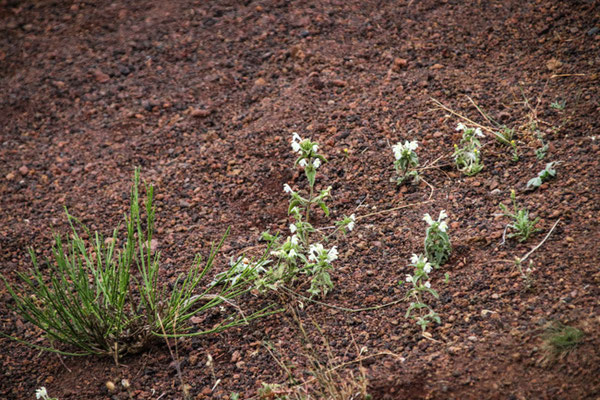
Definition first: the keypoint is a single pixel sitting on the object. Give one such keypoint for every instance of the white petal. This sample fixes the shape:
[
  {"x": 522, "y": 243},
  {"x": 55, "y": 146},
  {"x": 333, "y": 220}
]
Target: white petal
[
  {"x": 478, "y": 132},
  {"x": 413, "y": 145},
  {"x": 414, "y": 259},
  {"x": 332, "y": 254},
  {"x": 315, "y": 148},
  {"x": 427, "y": 284},
  {"x": 287, "y": 188},
  {"x": 350, "y": 225},
  {"x": 302, "y": 163},
  {"x": 427, "y": 268},
  {"x": 296, "y": 147},
  {"x": 316, "y": 163},
  {"x": 293, "y": 228},
  {"x": 443, "y": 215},
  {"x": 397, "y": 148},
  {"x": 427, "y": 218},
  {"x": 460, "y": 127},
  {"x": 294, "y": 239},
  {"x": 443, "y": 226},
  {"x": 292, "y": 253},
  {"x": 409, "y": 278},
  {"x": 296, "y": 137}
]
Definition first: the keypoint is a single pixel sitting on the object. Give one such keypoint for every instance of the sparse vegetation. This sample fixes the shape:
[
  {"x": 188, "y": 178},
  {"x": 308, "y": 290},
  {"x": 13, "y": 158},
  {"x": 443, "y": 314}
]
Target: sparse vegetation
[
  {"x": 522, "y": 226},
  {"x": 108, "y": 301}
]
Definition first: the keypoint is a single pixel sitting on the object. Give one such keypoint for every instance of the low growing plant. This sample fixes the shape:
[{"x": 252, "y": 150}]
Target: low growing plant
[
  {"x": 559, "y": 340},
  {"x": 559, "y": 105},
  {"x": 467, "y": 155},
  {"x": 522, "y": 226},
  {"x": 406, "y": 161},
  {"x": 109, "y": 301},
  {"x": 437, "y": 241},
  {"x": 418, "y": 309},
  {"x": 544, "y": 175}
]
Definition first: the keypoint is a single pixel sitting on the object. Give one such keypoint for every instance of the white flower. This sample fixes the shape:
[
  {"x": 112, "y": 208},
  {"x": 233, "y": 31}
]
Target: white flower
[
  {"x": 294, "y": 239},
  {"x": 397, "y": 148},
  {"x": 287, "y": 188},
  {"x": 292, "y": 253},
  {"x": 411, "y": 145},
  {"x": 277, "y": 253},
  {"x": 317, "y": 163},
  {"x": 409, "y": 278},
  {"x": 41, "y": 393},
  {"x": 443, "y": 226},
  {"x": 293, "y": 228},
  {"x": 427, "y": 285},
  {"x": 315, "y": 148},
  {"x": 302, "y": 163},
  {"x": 427, "y": 268},
  {"x": 415, "y": 259},
  {"x": 332, "y": 254},
  {"x": 315, "y": 250},
  {"x": 351, "y": 223},
  {"x": 443, "y": 215},
  {"x": 478, "y": 132},
  {"x": 427, "y": 218},
  {"x": 460, "y": 127}
]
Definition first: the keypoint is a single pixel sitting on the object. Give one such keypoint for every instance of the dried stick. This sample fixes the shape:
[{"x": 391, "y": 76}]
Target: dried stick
[{"x": 541, "y": 243}]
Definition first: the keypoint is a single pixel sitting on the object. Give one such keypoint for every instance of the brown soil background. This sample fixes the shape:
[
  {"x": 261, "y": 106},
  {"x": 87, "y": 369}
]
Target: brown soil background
[{"x": 204, "y": 96}]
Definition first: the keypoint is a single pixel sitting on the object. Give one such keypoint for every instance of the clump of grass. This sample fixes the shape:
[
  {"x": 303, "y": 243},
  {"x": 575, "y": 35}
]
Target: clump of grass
[
  {"x": 107, "y": 301},
  {"x": 559, "y": 340}
]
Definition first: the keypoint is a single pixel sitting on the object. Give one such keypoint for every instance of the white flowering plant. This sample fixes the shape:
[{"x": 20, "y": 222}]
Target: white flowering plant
[
  {"x": 300, "y": 253},
  {"x": 437, "y": 241},
  {"x": 41, "y": 393},
  {"x": 467, "y": 154},
  {"x": 418, "y": 309},
  {"x": 406, "y": 161}
]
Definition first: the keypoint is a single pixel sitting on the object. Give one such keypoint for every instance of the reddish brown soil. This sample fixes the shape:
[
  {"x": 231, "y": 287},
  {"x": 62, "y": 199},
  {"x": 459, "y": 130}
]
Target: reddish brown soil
[{"x": 204, "y": 96}]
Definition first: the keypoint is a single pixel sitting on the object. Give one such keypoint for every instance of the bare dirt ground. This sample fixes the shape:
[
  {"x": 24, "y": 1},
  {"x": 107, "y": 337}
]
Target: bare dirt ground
[{"x": 204, "y": 96}]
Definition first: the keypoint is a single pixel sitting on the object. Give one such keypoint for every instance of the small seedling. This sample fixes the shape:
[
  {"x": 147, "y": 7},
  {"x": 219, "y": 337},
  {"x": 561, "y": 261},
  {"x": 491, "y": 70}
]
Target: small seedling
[
  {"x": 559, "y": 340},
  {"x": 467, "y": 155},
  {"x": 526, "y": 275},
  {"x": 522, "y": 226},
  {"x": 559, "y": 105},
  {"x": 421, "y": 285},
  {"x": 406, "y": 161},
  {"x": 541, "y": 152},
  {"x": 544, "y": 175},
  {"x": 505, "y": 135},
  {"x": 437, "y": 241}
]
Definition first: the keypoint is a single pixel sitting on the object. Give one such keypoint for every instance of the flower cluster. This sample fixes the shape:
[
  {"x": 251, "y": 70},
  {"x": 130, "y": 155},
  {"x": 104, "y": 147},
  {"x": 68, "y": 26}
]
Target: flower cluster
[
  {"x": 406, "y": 161},
  {"x": 308, "y": 158},
  {"x": 437, "y": 242},
  {"x": 467, "y": 156}
]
